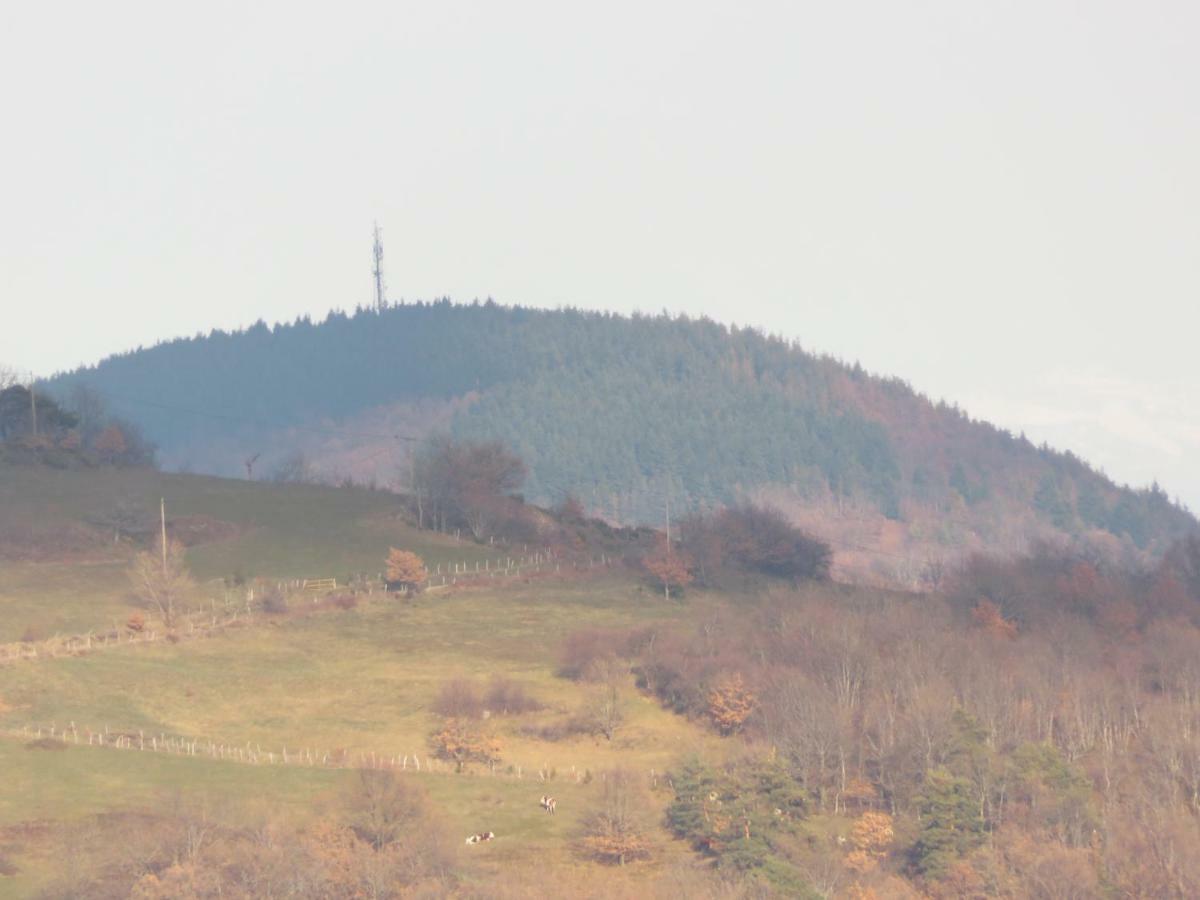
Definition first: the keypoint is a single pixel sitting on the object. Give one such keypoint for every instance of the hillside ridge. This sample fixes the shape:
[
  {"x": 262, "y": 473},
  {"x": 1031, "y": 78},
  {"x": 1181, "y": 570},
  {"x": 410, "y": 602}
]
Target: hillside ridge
[{"x": 621, "y": 412}]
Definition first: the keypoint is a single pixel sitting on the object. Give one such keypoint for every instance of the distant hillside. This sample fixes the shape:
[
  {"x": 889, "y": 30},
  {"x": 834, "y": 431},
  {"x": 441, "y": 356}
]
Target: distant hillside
[{"x": 619, "y": 411}]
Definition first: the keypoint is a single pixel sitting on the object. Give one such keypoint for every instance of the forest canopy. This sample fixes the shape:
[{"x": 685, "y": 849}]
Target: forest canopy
[{"x": 618, "y": 411}]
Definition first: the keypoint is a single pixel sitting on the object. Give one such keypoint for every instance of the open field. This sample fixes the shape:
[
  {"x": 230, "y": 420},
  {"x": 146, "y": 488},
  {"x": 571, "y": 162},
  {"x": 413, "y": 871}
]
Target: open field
[
  {"x": 48, "y": 789},
  {"x": 343, "y": 682},
  {"x": 358, "y": 680},
  {"x": 364, "y": 679},
  {"x": 278, "y": 531}
]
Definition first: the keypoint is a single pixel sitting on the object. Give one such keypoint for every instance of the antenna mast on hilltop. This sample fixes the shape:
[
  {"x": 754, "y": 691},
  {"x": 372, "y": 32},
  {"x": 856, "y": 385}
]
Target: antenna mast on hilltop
[{"x": 380, "y": 300}]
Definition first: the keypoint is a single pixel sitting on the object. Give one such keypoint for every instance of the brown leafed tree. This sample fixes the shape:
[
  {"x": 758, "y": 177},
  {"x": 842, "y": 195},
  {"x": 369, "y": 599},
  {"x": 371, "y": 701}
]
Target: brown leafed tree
[
  {"x": 161, "y": 580},
  {"x": 381, "y": 808},
  {"x": 870, "y": 839},
  {"x": 406, "y": 568},
  {"x": 730, "y": 703},
  {"x": 668, "y": 566},
  {"x": 465, "y": 483},
  {"x": 987, "y": 616},
  {"x": 463, "y": 741},
  {"x": 700, "y": 538},
  {"x": 111, "y": 444},
  {"x": 615, "y": 833},
  {"x": 762, "y": 539}
]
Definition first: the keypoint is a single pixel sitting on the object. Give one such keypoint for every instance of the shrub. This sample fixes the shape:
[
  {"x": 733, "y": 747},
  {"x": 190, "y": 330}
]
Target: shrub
[
  {"x": 46, "y": 743},
  {"x": 763, "y": 540},
  {"x": 584, "y": 652},
  {"x": 274, "y": 602},
  {"x": 458, "y": 699},
  {"x": 345, "y": 601},
  {"x": 509, "y": 698},
  {"x": 558, "y": 730}
]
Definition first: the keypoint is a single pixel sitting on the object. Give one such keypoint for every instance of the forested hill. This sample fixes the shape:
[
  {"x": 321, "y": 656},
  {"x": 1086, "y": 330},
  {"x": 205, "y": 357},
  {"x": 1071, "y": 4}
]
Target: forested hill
[{"x": 617, "y": 410}]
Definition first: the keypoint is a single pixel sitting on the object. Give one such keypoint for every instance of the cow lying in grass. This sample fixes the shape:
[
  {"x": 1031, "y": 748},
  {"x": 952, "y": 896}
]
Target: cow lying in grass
[
  {"x": 480, "y": 838},
  {"x": 548, "y": 804}
]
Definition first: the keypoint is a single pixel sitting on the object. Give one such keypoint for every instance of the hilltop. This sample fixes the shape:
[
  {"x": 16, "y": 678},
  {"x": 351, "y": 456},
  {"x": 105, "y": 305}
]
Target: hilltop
[{"x": 622, "y": 411}]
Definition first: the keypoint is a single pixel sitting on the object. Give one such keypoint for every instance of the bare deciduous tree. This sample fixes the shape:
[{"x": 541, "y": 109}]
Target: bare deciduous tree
[
  {"x": 161, "y": 579},
  {"x": 616, "y": 831},
  {"x": 604, "y": 710},
  {"x": 9, "y": 376}
]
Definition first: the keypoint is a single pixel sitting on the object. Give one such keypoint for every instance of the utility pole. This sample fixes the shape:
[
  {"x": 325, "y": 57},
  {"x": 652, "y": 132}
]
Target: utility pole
[
  {"x": 162, "y": 508},
  {"x": 667, "y": 503},
  {"x": 380, "y": 287},
  {"x": 667, "y": 496},
  {"x": 33, "y": 404}
]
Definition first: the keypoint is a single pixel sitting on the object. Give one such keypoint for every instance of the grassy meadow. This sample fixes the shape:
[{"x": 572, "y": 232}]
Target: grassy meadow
[
  {"x": 363, "y": 679},
  {"x": 274, "y": 531},
  {"x": 357, "y": 680}
]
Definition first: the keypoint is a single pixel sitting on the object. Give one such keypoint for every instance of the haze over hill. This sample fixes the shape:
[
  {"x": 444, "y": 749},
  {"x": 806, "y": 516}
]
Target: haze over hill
[{"x": 622, "y": 412}]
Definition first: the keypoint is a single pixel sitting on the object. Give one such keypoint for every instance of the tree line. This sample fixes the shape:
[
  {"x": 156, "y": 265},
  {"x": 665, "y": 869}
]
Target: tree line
[
  {"x": 621, "y": 411},
  {"x": 35, "y": 427},
  {"x": 1030, "y": 732}
]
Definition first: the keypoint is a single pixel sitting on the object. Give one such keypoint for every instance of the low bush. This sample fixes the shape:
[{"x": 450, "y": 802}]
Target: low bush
[
  {"x": 274, "y": 602},
  {"x": 46, "y": 743},
  {"x": 509, "y": 698},
  {"x": 584, "y": 652},
  {"x": 459, "y": 699},
  {"x": 344, "y": 601},
  {"x": 557, "y": 730}
]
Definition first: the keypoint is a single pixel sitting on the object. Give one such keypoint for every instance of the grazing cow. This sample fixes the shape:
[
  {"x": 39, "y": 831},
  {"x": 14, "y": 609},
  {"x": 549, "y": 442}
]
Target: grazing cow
[
  {"x": 480, "y": 838},
  {"x": 548, "y": 804}
]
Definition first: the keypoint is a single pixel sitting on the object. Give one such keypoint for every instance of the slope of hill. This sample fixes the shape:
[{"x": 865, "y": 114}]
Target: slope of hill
[
  {"x": 620, "y": 411},
  {"x": 67, "y": 538},
  {"x": 755, "y": 739}
]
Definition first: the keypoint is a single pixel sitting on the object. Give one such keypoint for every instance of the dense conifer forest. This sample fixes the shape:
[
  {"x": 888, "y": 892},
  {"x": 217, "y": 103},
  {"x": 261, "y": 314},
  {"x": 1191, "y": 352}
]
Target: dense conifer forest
[{"x": 619, "y": 411}]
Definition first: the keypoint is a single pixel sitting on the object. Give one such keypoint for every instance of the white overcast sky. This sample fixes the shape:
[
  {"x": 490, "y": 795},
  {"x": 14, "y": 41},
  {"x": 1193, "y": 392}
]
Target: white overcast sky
[{"x": 997, "y": 201}]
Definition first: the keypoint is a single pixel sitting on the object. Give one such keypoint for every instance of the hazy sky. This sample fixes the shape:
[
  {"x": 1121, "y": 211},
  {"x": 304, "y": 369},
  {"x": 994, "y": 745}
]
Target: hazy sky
[{"x": 998, "y": 201}]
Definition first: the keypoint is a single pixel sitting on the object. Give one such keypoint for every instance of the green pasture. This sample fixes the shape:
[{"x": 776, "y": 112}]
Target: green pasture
[
  {"x": 364, "y": 680},
  {"x": 69, "y": 785},
  {"x": 360, "y": 680},
  {"x": 283, "y": 531}
]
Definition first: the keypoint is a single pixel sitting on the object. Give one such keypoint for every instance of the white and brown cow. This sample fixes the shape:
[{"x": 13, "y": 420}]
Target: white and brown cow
[
  {"x": 481, "y": 838},
  {"x": 548, "y": 804}
]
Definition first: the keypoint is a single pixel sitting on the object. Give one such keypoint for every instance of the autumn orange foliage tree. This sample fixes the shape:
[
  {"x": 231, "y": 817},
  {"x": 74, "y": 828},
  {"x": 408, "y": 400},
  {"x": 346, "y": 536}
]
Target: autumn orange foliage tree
[
  {"x": 405, "y": 568},
  {"x": 871, "y": 837},
  {"x": 462, "y": 741},
  {"x": 987, "y": 616},
  {"x": 615, "y": 832},
  {"x": 669, "y": 567},
  {"x": 111, "y": 444},
  {"x": 730, "y": 704}
]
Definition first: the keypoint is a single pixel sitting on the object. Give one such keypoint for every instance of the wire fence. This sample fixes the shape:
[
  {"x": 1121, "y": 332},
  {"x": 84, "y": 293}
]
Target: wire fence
[
  {"x": 254, "y": 754},
  {"x": 258, "y": 600}
]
